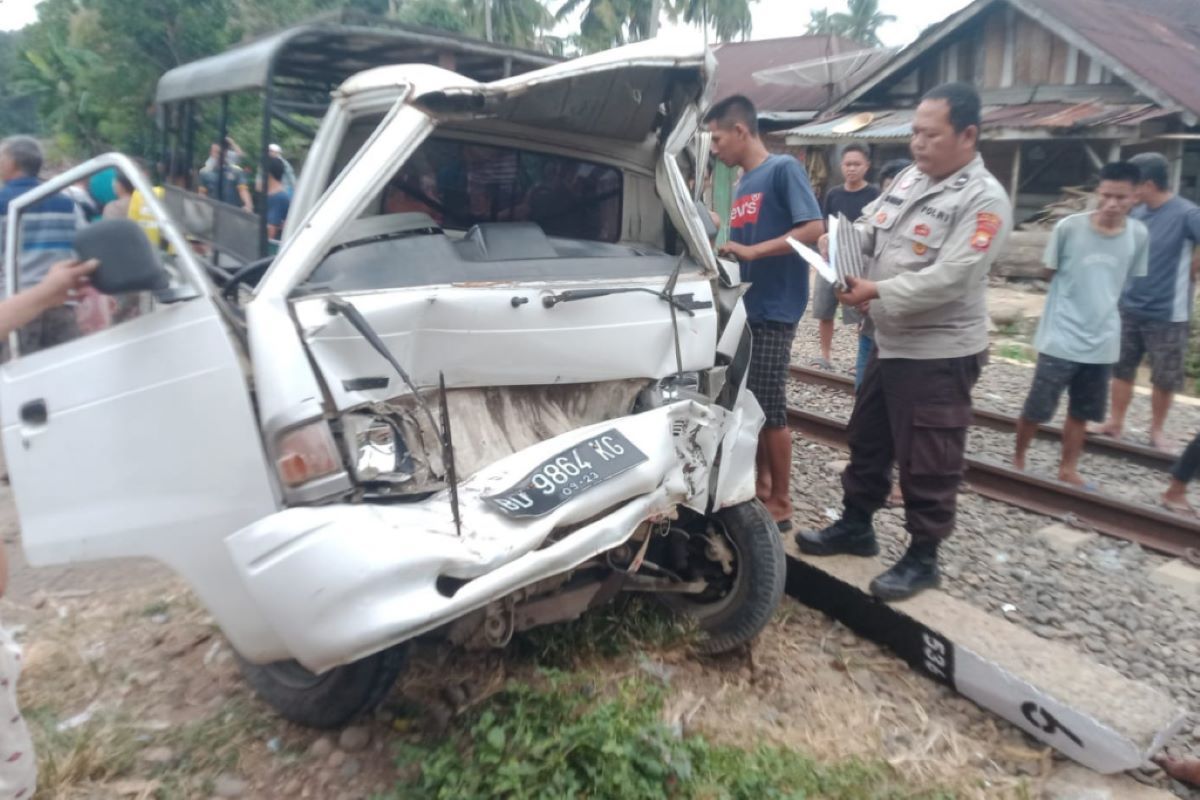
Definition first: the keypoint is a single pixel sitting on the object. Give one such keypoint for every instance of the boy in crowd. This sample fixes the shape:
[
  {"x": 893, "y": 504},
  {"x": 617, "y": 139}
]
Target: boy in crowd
[
  {"x": 1089, "y": 259},
  {"x": 1156, "y": 308},
  {"x": 278, "y": 199},
  {"x": 773, "y": 201},
  {"x": 848, "y": 199}
]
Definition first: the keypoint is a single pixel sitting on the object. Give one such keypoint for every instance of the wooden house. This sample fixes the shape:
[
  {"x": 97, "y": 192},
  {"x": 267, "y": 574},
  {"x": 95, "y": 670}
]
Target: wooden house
[{"x": 1067, "y": 85}]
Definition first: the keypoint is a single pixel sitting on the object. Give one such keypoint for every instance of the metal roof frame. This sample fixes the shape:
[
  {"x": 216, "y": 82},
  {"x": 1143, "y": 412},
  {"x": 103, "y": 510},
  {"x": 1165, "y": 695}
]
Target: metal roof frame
[{"x": 311, "y": 51}]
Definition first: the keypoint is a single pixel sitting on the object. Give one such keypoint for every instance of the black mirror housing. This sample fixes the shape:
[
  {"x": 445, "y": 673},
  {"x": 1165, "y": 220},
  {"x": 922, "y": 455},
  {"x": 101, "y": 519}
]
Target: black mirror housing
[{"x": 128, "y": 262}]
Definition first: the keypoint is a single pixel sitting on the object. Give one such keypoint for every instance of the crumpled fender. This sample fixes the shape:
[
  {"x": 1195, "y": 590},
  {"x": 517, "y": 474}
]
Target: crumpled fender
[{"x": 340, "y": 582}]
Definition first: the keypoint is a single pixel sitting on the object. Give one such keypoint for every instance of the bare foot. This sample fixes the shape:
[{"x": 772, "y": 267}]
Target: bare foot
[
  {"x": 1177, "y": 505},
  {"x": 1107, "y": 429},
  {"x": 1075, "y": 479},
  {"x": 1019, "y": 462},
  {"x": 1159, "y": 441},
  {"x": 896, "y": 498}
]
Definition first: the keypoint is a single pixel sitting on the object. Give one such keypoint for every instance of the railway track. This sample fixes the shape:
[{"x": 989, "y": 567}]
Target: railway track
[
  {"x": 1149, "y": 526},
  {"x": 1139, "y": 454}
]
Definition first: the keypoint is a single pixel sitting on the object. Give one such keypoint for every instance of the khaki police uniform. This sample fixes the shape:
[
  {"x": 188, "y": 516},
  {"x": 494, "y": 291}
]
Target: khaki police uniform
[{"x": 932, "y": 244}]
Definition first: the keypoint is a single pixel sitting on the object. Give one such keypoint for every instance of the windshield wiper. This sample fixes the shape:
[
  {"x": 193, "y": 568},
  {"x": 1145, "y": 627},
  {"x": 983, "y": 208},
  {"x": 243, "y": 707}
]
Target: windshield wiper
[
  {"x": 684, "y": 302},
  {"x": 352, "y": 315}
]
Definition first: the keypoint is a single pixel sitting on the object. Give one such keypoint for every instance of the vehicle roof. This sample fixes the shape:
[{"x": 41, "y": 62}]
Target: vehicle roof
[
  {"x": 320, "y": 55},
  {"x": 616, "y": 93}
]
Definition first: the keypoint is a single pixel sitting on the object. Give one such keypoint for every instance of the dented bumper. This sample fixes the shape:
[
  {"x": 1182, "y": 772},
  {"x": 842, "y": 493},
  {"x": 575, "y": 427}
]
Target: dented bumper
[{"x": 340, "y": 582}]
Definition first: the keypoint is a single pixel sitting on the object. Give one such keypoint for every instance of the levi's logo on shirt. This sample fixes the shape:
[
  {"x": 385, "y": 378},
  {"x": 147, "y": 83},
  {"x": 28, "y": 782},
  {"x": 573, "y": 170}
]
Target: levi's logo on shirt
[{"x": 745, "y": 211}]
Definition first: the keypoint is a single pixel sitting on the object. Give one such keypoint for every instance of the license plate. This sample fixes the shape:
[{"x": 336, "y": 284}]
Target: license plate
[{"x": 569, "y": 474}]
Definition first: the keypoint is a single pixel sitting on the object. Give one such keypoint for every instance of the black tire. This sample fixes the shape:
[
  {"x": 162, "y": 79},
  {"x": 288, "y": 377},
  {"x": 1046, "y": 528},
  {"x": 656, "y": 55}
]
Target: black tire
[
  {"x": 329, "y": 700},
  {"x": 744, "y": 610}
]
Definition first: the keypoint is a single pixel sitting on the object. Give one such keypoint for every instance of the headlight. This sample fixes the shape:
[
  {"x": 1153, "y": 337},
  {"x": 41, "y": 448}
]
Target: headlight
[
  {"x": 307, "y": 453},
  {"x": 379, "y": 450},
  {"x": 685, "y": 386}
]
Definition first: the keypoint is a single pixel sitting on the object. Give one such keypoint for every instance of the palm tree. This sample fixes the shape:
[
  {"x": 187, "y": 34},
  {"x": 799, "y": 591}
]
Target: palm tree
[
  {"x": 607, "y": 23},
  {"x": 820, "y": 23},
  {"x": 516, "y": 22},
  {"x": 862, "y": 23},
  {"x": 730, "y": 19}
]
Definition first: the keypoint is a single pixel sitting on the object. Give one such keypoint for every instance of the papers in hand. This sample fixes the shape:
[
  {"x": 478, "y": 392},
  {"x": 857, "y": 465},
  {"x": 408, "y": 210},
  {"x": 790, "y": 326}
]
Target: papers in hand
[
  {"x": 814, "y": 258},
  {"x": 845, "y": 253}
]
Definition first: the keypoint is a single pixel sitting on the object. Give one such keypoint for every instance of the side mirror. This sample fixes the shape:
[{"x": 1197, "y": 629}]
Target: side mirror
[{"x": 128, "y": 262}]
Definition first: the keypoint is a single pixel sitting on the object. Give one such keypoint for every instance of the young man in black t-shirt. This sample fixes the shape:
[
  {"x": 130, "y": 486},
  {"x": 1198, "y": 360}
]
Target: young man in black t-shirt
[{"x": 848, "y": 199}]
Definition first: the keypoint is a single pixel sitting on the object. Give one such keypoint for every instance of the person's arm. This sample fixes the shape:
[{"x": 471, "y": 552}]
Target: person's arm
[
  {"x": 59, "y": 285},
  {"x": 807, "y": 222},
  {"x": 1054, "y": 248},
  {"x": 1193, "y": 226},
  {"x": 244, "y": 194},
  {"x": 964, "y": 260},
  {"x": 1141, "y": 254}
]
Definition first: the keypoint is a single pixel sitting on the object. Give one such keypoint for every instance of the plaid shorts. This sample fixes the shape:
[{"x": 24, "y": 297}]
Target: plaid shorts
[
  {"x": 770, "y": 356},
  {"x": 1086, "y": 386},
  {"x": 1164, "y": 342}
]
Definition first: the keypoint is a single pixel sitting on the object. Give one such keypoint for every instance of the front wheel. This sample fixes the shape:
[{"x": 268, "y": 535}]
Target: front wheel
[
  {"x": 741, "y": 601},
  {"x": 331, "y": 699}
]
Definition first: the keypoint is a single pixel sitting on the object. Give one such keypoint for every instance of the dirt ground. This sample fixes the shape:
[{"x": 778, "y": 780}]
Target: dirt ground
[{"x": 133, "y": 693}]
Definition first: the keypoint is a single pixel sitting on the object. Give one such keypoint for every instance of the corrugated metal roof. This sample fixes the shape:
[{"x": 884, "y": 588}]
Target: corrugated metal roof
[
  {"x": 886, "y": 125},
  {"x": 1158, "y": 40},
  {"x": 1059, "y": 117},
  {"x": 738, "y": 61}
]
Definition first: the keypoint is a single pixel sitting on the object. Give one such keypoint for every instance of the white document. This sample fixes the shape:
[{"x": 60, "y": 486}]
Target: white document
[{"x": 813, "y": 257}]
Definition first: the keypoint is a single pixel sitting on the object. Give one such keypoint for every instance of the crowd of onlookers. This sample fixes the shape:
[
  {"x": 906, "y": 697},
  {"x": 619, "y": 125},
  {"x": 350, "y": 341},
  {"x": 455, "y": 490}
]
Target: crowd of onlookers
[{"x": 1122, "y": 281}]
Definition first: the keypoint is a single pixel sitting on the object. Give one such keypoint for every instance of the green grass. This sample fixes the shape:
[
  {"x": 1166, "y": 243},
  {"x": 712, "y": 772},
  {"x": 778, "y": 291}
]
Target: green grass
[
  {"x": 571, "y": 736},
  {"x": 626, "y": 625},
  {"x": 107, "y": 748},
  {"x": 1015, "y": 352}
]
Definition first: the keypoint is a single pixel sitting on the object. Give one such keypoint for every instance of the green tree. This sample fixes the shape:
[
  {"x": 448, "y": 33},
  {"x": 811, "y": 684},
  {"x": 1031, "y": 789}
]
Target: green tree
[
  {"x": 440, "y": 14},
  {"x": 861, "y": 22},
  {"x": 608, "y": 23},
  {"x": 18, "y": 105},
  {"x": 729, "y": 19},
  {"x": 521, "y": 23},
  {"x": 820, "y": 23}
]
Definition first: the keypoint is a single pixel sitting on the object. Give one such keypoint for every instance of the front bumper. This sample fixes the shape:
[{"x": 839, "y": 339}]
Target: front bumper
[{"x": 340, "y": 582}]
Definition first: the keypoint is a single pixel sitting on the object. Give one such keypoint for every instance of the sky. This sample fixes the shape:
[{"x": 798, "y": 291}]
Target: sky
[{"x": 772, "y": 18}]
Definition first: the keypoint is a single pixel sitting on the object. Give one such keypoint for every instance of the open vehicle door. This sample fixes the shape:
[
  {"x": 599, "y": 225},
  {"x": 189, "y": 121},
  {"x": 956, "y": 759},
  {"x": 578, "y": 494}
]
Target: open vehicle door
[{"x": 137, "y": 437}]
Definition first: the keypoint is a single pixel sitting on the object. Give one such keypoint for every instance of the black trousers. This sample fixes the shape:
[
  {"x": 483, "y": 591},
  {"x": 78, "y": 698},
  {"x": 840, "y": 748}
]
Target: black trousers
[
  {"x": 1189, "y": 463},
  {"x": 914, "y": 413}
]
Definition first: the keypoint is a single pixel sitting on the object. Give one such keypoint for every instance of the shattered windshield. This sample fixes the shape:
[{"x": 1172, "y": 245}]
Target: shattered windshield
[
  {"x": 460, "y": 184},
  {"x": 463, "y": 212}
]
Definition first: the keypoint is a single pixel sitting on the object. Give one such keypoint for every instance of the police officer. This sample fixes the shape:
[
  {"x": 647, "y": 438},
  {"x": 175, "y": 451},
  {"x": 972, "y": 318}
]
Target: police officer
[{"x": 933, "y": 236}]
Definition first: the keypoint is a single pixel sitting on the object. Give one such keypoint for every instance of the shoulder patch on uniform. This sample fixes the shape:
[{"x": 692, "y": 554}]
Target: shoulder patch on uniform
[{"x": 987, "y": 225}]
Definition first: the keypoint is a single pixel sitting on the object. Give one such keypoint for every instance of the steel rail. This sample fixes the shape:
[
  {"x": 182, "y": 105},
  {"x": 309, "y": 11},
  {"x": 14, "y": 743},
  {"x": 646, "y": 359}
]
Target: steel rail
[
  {"x": 1139, "y": 454},
  {"x": 1157, "y": 529}
]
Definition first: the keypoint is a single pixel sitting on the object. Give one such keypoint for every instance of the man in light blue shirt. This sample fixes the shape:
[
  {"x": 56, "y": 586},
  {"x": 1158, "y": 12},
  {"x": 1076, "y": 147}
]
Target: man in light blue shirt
[{"x": 1089, "y": 258}]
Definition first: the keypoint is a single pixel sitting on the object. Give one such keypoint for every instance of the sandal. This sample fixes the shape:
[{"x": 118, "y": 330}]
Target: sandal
[
  {"x": 821, "y": 363},
  {"x": 784, "y": 525}
]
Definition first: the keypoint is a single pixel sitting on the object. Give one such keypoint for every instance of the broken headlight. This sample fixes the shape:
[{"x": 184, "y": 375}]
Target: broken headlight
[
  {"x": 380, "y": 454},
  {"x": 672, "y": 389}
]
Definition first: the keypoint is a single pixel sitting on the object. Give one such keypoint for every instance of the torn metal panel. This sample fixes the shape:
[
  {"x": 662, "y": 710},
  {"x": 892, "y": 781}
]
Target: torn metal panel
[
  {"x": 478, "y": 338},
  {"x": 489, "y": 424},
  {"x": 339, "y": 582}
]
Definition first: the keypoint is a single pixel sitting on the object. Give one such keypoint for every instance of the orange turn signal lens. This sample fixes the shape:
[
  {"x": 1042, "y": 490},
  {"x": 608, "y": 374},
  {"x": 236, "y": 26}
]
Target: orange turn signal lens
[{"x": 307, "y": 453}]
